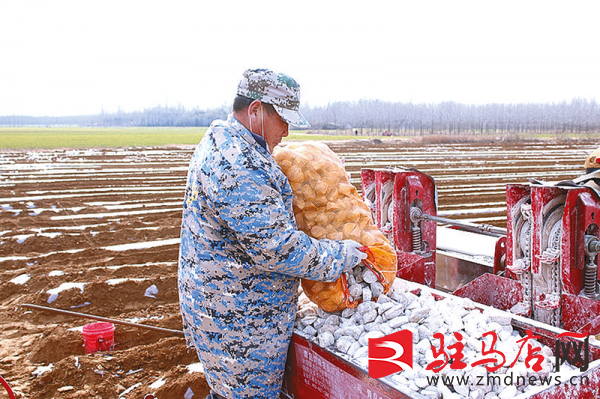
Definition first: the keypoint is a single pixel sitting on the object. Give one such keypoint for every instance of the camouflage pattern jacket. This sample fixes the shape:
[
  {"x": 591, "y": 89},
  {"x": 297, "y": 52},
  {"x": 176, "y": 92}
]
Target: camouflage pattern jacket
[{"x": 240, "y": 260}]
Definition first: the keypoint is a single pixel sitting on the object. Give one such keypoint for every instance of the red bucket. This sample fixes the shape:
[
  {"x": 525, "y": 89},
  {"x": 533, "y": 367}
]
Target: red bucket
[{"x": 98, "y": 337}]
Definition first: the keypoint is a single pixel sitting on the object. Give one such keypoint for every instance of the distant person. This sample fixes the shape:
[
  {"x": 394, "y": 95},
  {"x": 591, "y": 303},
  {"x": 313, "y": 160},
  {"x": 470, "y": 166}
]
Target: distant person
[
  {"x": 592, "y": 162},
  {"x": 356, "y": 132},
  {"x": 592, "y": 171},
  {"x": 590, "y": 179},
  {"x": 242, "y": 255}
]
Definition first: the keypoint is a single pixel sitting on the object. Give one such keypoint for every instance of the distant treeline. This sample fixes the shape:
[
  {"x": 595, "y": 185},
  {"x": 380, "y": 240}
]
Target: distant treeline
[
  {"x": 150, "y": 117},
  {"x": 577, "y": 116},
  {"x": 367, "y": 116}
]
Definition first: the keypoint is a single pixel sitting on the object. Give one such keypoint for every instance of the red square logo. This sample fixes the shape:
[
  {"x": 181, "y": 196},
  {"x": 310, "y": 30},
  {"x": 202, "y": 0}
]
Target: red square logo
[{"x": 390, "y": 354}]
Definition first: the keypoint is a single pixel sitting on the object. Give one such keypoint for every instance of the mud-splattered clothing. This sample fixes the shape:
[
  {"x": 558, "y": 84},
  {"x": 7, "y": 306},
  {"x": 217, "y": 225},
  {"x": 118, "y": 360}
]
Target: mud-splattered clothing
[{"x": 240, "y": 258}]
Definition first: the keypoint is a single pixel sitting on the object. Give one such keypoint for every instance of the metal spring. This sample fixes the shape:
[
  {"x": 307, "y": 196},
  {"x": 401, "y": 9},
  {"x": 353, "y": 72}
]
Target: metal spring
[
  {"x": 417, "y": 242},
  {"x": 589, "y": 286}
]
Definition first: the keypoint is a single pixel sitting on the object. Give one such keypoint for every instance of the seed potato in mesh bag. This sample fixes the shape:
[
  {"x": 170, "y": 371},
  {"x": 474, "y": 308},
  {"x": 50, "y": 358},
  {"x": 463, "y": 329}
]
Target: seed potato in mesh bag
[{"x": 327, "y": 206}]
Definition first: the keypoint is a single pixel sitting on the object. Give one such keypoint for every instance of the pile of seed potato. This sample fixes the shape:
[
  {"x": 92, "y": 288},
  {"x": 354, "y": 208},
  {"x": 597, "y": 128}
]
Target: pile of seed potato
[
  {"x": 363, "y": 284},
  {"x": 347, "y": 332}
]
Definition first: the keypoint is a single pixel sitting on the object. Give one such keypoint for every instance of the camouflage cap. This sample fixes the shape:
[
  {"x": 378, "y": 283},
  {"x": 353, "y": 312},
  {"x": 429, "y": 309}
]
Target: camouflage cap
[{"x": 276, "y": 89}]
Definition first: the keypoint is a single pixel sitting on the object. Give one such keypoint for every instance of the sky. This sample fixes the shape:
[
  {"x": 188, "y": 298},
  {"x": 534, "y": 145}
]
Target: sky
[{"x": 62, "y": 58}]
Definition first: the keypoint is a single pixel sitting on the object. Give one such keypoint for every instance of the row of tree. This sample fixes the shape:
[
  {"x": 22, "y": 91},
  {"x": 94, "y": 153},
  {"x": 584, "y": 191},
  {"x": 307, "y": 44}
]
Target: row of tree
[
  {"x": 368, "y": 116},
  {"x": 577, "y": 116},
  {"x": 150, "y": 117}
]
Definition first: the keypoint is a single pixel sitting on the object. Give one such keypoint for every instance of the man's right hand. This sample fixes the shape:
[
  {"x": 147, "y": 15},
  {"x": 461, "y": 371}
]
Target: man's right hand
[{"x": 355, "y": 256}]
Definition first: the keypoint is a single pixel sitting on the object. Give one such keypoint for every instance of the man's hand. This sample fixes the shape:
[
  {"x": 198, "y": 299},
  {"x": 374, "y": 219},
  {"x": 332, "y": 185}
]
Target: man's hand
[{"x": 355, "y": 256}]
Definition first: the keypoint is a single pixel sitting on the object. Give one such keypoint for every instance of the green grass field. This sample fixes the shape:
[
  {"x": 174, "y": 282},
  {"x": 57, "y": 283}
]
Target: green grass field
[
  {"x": 116, "y": 137},
  {"x": 76, "y": 137}
]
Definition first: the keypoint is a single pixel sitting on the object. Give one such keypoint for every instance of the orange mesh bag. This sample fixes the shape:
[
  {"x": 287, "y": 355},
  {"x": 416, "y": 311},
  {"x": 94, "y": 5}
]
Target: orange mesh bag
[{"x": 326, "y": 205}]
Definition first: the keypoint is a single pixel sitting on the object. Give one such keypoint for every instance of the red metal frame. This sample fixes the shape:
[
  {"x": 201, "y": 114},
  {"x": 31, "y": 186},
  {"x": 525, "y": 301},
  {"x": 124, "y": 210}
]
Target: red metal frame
[
  {"x": 315, "y": 373},
  {"x": 492, "y": 290},
  {"x": 500, "y": 256},
  {"x": 382, "y": 178},
  {"x": 580, "y": 216},
  {"x": 410, "y": 188},
  {"x": 581, "y": 213},
  {"x": 367, "y": 178},
  {"x": 515, "y": 193}
]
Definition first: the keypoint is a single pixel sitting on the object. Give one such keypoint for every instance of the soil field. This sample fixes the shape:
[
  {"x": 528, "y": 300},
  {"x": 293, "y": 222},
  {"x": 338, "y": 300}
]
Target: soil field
[{"x": 91, "y": 230}]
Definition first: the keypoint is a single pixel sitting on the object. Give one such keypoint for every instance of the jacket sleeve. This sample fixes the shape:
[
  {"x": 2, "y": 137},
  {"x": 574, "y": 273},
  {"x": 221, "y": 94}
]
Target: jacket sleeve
[{"x": 255, "y": 213}]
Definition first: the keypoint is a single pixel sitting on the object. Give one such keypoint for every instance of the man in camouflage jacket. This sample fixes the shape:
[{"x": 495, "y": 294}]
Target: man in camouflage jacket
[{"x": 241, "y": 254}]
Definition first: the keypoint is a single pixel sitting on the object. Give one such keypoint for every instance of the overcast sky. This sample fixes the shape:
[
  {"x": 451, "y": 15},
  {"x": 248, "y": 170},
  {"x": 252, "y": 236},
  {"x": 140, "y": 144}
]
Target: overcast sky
[{"x": 78, "y": 57}]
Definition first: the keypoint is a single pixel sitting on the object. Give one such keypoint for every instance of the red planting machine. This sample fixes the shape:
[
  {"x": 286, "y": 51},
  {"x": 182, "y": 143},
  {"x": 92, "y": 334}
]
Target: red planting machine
[{"x": 542, "y": 270}]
